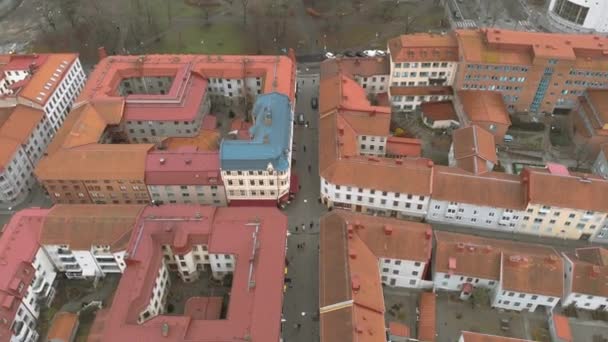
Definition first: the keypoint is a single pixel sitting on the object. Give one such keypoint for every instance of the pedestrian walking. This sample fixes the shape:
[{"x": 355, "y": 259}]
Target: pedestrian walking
[
  {"x": 296, "y": 229},
  {"x": 303, "y": 227},
  {"x": 309, "y": 168},
  {"x": 304, "y": 146},
  {"x": 311, "y": 224}
]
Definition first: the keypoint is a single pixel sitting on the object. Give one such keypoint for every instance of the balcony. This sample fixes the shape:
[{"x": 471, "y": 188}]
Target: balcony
[
  {"x": 63, "y": 251},
  {"x": 68, "y": 260},
  {"x": 38, "y": 285}
]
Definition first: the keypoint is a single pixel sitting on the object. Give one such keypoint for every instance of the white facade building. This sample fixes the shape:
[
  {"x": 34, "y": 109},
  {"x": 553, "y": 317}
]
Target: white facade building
[
  {"x": 584, "y": 279},
  {"x": 375, "y": 84},
  {"x": 408, "y": 103},
  {"x": 371, "y": 145},
  {"x": 455, "y": 282},
  {"x": 371, "y": 201},
  {"x": 518, "y": 301},
  {"x": 158, "y": 299},
  {"x": 578, "y": 16},
  {"x": 422, "y": 74},
  {"x": 478, "y": 216},
  {"x": 401, "y": 273},
  {"x": 79, "y": 264}
]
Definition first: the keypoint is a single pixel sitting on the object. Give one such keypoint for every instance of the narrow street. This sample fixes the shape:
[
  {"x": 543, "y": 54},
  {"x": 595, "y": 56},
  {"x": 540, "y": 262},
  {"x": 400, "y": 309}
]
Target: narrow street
[{"x": 300, "y": 308}]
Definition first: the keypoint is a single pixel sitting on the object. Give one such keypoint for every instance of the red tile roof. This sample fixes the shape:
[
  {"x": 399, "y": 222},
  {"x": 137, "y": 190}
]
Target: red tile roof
[
  {"x": 589, "y": 271},
  {"x": 204, "y": 308},
  {"x": 468, "y": 336},
  {"x": 562, "y": 327},
  {"x": 473, "y": 148},
  {"x": 253, "y": 313},
  {"x": 427, "y": 329},
  {"x": 350, "y": 294},
  {"x": 185, "y": 166},
  {"x": 533, "y": 273},
  {"x": 484, "y": 106},
  {"x": 424, "y": 47},
  {"x": 422, "y": 90},
  {"x": 404, "y": 147},
  {"x": 18, "y": 247},
  {"x": 17, "y": 124},
  {"x": 364, "y": 66},
  {"x": 398, "y": 329},
  {"x": 47, "y": 76},
  {"x": 63, "y": 328},
  {"x": 439, "y": 111}
]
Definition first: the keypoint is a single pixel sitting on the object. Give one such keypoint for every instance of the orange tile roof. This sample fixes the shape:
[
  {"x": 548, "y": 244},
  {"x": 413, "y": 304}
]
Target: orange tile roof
[
  {"x": 439, "y": 111},
  {"x": 399, "y": 329},
  {"x": 493, "y": 189},
  {"x": 484, "y": 106},
  {"x": 204, "y": 141},
  {"x": 82, "y": 226},
  {"x": 598, "y": 99},
  {"x": 562, "y": 328},
  {"x": 589, "y": 271},
  {"x": 41, "y": 84},
  {"x": 427, "y": 329},
  {"x": 478, "y": 257},
  {"x": 468, "y": 336},
  {"x": 474, "y": 141},
  {"x": 585, "y": 192},
  {"x": 533, "y": 273},
  {"x": 424, "y": 47},
  {"x": 405, "y": 147},
  {"x": 364, "y": 66},
  {"x": 63, "y": 327},
  {"x": 96, "y": 162},
  {"x": 16, "y": 127},
  {"x": 498, "y": 46}
]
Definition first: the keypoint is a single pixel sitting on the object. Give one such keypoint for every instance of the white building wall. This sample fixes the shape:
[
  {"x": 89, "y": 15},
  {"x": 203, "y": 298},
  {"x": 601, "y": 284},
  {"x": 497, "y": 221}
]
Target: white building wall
[
  {"x": 221, "y": 264},
  {"x": 371, "y": 145},
  {"x": 454, "y": 282},
  {"x": 374, "y": 201},
  {"x": 595, "y": 20},
  {"x": 518, "y": 301},
  {"x": 586, "y": 302},
  {"x": 373, "y": 84},
  {"x": 401, "y": 273},
  {"x": 421, "y": 73},
  {"x": 473, "y": 215},
  {"x": 255, "y": 185},
  {"x": 27, "y": 321},
  {"x": 158, "y": 297},
  {"x": 60, "y": 102},
  {"x": 16, "y": 177},
  {"x": 544, "y": 220},
  {"x": 186, "y": 194},
  {"x": 408, "y": 103}
]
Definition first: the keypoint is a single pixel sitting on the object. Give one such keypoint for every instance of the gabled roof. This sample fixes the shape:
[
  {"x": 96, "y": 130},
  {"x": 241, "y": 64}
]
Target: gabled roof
[
  {"x": 186, "y": 166},
  {"x": 83, "y": 226},
  {"x": 427, "y": 325},
  {"x": 364, "y": 66},
  {"x": 17, "y": 124},
  {"x": 350, "y": 291},
  {"x": 589, "y": 271},
  {"x": 468, "y": 336},
  {"x": 424, "y": 47},
  {"x": 484, "y": 106},
  {"x": 47, "y": 77},
  {"x": 533, "y": 273},
  {"x": 473, "y": 148}
]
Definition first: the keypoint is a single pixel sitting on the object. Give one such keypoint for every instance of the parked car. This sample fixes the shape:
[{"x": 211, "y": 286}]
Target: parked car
[
  {"x": 380, "y": 53},
  {"x": 359, "y": 54},
  {"x": 330, "y": 55},
  {"x": 301, "y": 119},
  {"x": 349, "y": 54},
  {"x": 369, "y": 53},
  {"x": 314, "y": 103}
]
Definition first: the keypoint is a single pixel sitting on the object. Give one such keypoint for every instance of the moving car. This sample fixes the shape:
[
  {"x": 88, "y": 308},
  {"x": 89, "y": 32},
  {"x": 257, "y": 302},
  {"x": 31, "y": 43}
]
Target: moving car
[{"x": 314, "y": 103}]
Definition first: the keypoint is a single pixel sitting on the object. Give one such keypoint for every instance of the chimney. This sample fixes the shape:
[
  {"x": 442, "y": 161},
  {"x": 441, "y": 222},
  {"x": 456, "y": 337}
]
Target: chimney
[
  {"x": 355, "y": 283},
  {"x": 358, "y": 225},
  {"x": 266, "y": 139},
  {"x": 101, "y": 53},
  {"x": 352, "y": 254},
  {"x": 487, "y": 249},
  {"x": 460, "y": 246},
  {"x": 398, "y": 161},
  {"x": 350, "y": 228},
  {"x": 162, "y": 161},
  {"x": 388, "y": 230},
  {"x": 188, "y": 161},
  {"x": 594, "y": 272},
  {"x": 428, "y": 233},
  {"x": 552, "y": 259},
  {"x": 359, "y": 329}
]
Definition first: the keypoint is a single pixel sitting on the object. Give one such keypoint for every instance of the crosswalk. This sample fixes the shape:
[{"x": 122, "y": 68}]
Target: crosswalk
[{"x": 467, "y": 23}]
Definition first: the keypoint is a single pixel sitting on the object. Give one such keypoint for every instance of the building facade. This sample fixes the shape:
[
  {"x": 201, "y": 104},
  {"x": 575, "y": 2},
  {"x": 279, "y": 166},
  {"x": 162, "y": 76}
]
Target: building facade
[{"x": 578, "y": 16}]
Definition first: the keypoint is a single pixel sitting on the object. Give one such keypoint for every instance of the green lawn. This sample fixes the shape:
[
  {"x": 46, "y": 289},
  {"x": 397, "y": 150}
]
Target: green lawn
[{"x": 222, "y": 38}]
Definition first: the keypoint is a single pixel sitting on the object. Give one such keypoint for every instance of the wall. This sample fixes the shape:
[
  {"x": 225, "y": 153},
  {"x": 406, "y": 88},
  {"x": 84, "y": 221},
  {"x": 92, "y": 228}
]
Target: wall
[
  {"x": 473, "y": 215},
  {"x": 401, "y": 273},
  {"x": 375, "y": 84},
  {"x": 255, "y": 185},
  {"x": 518, "y": 301},
  {"x": 60, "y": 103},
  {"x": 201, "y": 194},
  {"x": 371, "y": 145},
  {"x": 454, "y": 282},
  {"x": 566, "y": 223}
]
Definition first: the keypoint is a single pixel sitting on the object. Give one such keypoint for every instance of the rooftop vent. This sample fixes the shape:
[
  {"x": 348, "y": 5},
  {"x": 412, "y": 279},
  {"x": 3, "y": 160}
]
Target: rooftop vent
[
  {"x": 428, "y": 233},
  {"x": 188, "y": 161},
  {"x": 162, "y": 161},
  {"x": 460, "y": 246},
  {"x": 388, "y": 230},
  {"x": 165, "y": 329}
]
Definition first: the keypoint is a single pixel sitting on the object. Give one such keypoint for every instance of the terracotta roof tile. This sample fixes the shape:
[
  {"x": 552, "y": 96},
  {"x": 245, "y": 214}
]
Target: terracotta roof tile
[
  {"x": 478, "y": 257},
  {"x": 404, "y": 147},
  {"x": 533, "y": 273},
  {"x": 484, "y": 106},
  {"x": 424, "y": 47},
  {"x": 83, "y": 226},
  {"x": 63, "y": 327},
  {"x": 589, "y": 271},
  {"x": 334, "y": 283},
  {"x": 41, "y": 85},
  {"x": 422, "y": 90},
  {"x": 474, "y": 147},
  {"x": 364, "y": 67},
  {"x": 427, "y": 330},
  {"x": 438, "y": 111},
  {"x": 337, "y": 325},
  {"x": 494, "y": 189},
  {"x": 16, "y": 127},
  {"x": 562, "y": 328},
  {"x": 585, "y": 192},
  {"x": 468, "y": 336}
]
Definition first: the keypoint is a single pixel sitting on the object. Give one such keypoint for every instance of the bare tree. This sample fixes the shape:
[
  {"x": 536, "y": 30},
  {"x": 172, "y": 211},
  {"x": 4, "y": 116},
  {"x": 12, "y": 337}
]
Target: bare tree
[
  {"x": 244, "y": 5},
  {"x": 70, "y": 10}
]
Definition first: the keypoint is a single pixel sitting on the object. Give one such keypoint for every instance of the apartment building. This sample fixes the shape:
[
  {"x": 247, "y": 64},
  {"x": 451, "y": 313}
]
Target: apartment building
[
  {"x": 371, "y": 73},
  {"x": 535, "y": 72},
  {"x": 185, "y": 176},
  {"x": 578, "y": 16},
  {"x": 492, "y": 200},
  {"x": 49, "y": 82},
  {"x": 350, "y": 280},
  {"x": 133, "y": 106},
  {"x": 188, "y": 240},
  {"x": 28, "y": 277},
  {"x": 361, "y": 132},
  {"x": 580, "y": 215},
  {"x": 422, "y": 68},
  {"x": 519, "y": 276},
  {"x": 590, "y": 121},
  {"x": 88, "y": 241},
  {"x": 473, "y": 149},
  {"x": 259, "y": 169},
  {"x": 600, "y": 166},
  {"x": 585, "y": 279}
]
